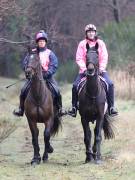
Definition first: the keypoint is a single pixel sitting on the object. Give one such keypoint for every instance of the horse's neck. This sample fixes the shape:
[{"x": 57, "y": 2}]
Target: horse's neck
[
  {"x": 92, "y": 86},
  {"x": 38, "y": 85}
]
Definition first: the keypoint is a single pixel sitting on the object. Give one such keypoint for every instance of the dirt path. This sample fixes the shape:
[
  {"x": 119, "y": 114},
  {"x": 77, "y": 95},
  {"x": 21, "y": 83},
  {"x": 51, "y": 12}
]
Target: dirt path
[
  {"x": 16, "y": 153},
  {"x": 67, "y": 161}
]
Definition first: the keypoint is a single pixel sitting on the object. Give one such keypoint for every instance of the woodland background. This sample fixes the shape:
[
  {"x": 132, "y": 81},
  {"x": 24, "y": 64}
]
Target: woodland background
[{"x": 64, "y": 22}]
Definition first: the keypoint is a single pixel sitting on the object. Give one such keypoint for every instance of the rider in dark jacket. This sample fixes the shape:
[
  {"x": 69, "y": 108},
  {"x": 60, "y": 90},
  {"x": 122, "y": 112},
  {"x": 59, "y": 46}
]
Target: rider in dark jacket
[{"x": 49, "y": 63}]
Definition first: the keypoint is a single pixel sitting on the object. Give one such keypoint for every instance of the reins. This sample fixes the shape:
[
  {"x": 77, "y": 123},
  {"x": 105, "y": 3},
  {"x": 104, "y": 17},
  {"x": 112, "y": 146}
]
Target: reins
[{"x": 37, "y": 98}]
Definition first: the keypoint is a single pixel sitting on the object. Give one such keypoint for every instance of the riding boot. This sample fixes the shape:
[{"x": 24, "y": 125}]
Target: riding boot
[
  {"x": 110, "y": 98},
  {"x": 23, "y": 95},
  {"x": 73, "y": 112},
  {"x": 59, "y": 104},
  {"x": 20, "y": 111}
]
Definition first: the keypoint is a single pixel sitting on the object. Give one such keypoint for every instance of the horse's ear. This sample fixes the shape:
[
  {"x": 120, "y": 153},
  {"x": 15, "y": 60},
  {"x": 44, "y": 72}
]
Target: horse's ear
[
  {"x": 96, "y": 46},
  {"x": 33, "y": 50},
  {"x": 87, "y": 46}
]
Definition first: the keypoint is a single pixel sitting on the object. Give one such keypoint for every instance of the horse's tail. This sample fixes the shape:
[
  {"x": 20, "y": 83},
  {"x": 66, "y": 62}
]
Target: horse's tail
[
  {"x": 108, "y": 127},
  {"x": 56, "y": 125}
]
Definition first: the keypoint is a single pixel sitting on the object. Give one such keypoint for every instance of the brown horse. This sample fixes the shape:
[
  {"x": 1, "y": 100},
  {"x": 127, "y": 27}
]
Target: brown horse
[
  {"x": 92, "y": 103},
  {"x": 39, "y": 108}
]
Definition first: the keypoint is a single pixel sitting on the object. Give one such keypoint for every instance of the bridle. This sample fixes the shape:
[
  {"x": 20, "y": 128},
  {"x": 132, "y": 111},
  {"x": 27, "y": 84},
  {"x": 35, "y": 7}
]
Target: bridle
[{"x": 34, "y": 74}]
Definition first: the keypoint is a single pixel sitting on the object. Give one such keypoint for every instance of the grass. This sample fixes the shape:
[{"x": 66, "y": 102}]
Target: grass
[
  {"x": 124, "y": 84},
  {"x": 67, "y": 161},
  {"x": 7, "y": 99}
]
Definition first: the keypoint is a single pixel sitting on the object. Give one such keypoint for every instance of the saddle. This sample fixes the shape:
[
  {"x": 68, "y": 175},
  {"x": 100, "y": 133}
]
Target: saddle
[
  {"x": 104, "y": 83},
  {"x": 54, "y": 90},
  {"x": 83, "y": 81},
  {"x": 81, "y": 85}
]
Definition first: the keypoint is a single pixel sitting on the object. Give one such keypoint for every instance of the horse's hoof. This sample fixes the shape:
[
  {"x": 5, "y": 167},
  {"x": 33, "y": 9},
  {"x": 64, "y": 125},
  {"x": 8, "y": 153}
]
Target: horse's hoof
[
  {"x": 89, "y": 157},
  {"x": 50, "y": 149},
  {"x": 45, "y": 158},
  {"x": 35, "y": 161},
  {"x": 89, "y": 160}
]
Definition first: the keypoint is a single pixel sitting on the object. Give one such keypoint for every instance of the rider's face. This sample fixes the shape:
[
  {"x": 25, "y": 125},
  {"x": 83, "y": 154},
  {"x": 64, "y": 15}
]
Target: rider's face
[
  {"x": 91, "y": 34},
  {"x": 41, "y": 43}
]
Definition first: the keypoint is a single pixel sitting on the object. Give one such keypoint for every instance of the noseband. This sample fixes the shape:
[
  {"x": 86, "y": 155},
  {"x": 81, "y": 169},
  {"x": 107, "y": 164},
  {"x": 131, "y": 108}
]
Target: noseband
[{"x": 35, "y": 73}]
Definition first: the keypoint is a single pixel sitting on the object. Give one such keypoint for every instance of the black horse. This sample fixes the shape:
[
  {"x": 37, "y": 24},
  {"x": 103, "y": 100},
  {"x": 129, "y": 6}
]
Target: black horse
[{"x": 92, "y": 107}]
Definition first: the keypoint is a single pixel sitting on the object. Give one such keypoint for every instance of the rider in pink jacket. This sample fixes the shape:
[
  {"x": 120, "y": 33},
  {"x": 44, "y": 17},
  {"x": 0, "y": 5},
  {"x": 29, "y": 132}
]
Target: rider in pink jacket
[
  {"x": 81, "y": 54},
  {"x": 92, "y": 39}
]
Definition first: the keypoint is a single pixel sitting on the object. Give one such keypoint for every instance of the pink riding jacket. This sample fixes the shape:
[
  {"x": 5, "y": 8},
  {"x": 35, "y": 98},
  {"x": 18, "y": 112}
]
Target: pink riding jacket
[
  {"x": 81, "y": 54},
  {"x": 44, "y": 59}
]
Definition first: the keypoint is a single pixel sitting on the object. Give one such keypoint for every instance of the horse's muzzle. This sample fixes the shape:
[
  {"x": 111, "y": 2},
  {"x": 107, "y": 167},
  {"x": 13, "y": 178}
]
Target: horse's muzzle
[
  {"x": 91, "y": 72},
  {"x": 90, "y": 69},
  {"x": 28, "y": 74}
]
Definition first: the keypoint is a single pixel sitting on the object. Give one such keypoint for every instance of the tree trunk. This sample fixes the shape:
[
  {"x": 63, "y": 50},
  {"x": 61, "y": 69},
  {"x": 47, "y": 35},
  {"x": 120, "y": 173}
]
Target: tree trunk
[{"x": 116, "y": 11}]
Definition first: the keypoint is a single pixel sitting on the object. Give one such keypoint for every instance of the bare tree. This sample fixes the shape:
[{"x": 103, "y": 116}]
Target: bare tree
[
  {"x": 64, "y": 22},
  {"x": 7, "y": 7},
  {"x": 116, "y": 6}
]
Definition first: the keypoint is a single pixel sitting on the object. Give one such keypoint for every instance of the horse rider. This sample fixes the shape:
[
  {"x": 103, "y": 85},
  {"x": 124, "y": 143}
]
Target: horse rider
[
  {"x": 49, "y": 63},
  {"x": 91, "y": 38}
]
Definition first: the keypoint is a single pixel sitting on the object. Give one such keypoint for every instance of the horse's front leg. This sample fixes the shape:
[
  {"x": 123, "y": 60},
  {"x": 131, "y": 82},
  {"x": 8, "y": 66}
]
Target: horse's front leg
[
  {"x": 35, "y": 132},
  {"x": 48, "y": 147},
  {"x": 97, "y": 140},
  {"x": 87, "y": 140}
]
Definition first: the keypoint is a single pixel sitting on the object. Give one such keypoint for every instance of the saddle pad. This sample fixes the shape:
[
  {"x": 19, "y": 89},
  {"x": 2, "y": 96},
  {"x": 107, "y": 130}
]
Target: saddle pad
[
  {"x": 81, "y": 85},
  {"x": 105, "y": 84},
  {"x": 83, "y": 81}
]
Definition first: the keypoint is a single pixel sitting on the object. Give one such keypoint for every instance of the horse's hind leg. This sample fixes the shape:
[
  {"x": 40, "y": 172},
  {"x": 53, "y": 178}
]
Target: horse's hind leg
[
  {"x": 87, "y": 140},
  {"x": 48, "y": 147},
  {"x": 35, "y": 132}
]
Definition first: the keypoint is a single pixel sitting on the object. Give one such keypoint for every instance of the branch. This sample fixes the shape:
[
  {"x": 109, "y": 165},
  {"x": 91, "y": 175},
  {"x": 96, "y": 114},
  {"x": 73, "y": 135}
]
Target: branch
[
  {"x": 14, "y": 42},
  {"x": 124, "y": 2},
  {"x": 110, "y": 4}
]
